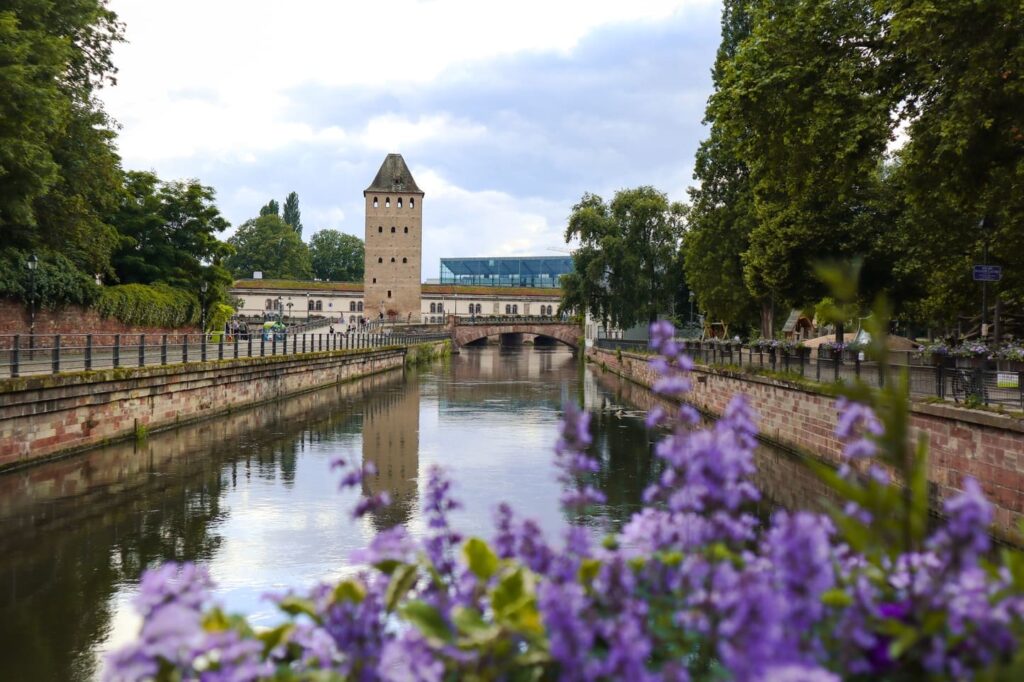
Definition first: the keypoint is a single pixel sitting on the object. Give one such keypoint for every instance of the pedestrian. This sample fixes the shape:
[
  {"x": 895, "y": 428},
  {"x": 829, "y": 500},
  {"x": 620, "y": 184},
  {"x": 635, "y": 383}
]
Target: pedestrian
[{"x": 331, "y": 330}]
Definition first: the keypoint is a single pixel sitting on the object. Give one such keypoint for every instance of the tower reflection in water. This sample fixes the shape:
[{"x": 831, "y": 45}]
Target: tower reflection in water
[{"x": 391, "y": 442}]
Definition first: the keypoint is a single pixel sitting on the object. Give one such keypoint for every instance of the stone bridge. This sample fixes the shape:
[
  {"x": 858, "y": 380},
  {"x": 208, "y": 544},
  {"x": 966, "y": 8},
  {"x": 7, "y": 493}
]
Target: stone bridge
[{"x": 469, "y": 329}]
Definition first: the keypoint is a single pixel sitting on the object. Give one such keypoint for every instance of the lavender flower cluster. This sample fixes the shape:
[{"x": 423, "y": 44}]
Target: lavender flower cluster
[{"x": 694, "y": 587}]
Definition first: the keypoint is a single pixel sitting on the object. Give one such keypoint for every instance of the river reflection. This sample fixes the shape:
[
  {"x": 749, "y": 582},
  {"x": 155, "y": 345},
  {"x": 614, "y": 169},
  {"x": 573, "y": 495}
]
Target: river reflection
[{"x": 253, "y": 495}]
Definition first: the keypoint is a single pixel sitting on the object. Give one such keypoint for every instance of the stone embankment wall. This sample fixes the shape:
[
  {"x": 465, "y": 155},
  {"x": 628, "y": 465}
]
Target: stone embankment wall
[
  {"x": 42, "y": 417},
  {"x": 72, "y": 319},
  {"x": 963, "y": 442}
]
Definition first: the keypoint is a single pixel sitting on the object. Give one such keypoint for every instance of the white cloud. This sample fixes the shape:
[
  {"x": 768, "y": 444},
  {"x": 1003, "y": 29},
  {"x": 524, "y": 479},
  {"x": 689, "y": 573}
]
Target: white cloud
[
  {"x": 390, "y": 132},
  {"x": 460, "y": 223},
  {"x": 212, "y": 77}
]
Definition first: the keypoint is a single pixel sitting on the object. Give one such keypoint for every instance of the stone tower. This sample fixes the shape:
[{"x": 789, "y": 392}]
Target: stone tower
[{"x": 394, "y": 243}]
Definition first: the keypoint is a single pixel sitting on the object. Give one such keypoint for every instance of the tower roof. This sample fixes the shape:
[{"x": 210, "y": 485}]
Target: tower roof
[{"x": 394, "y": 176}]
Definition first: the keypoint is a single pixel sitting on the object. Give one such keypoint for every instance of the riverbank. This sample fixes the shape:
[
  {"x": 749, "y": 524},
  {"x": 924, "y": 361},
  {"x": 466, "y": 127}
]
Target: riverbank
[
  {"x": 802, "y": 417},
  {"x": 50, "y": 416}
]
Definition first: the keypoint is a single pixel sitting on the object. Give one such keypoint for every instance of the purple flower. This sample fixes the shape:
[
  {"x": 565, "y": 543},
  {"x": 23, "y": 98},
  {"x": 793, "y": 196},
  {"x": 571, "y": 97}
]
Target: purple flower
[
  {"x": 574, "y": 463},
  {"x": 392, "y": 544},
  {"x": 964, "y": 535},
  {"x": 857, "y": 428}
]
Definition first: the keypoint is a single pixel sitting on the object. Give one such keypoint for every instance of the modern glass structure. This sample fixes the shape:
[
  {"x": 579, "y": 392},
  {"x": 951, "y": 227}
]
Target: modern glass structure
[{"x": 535, "y": 271}]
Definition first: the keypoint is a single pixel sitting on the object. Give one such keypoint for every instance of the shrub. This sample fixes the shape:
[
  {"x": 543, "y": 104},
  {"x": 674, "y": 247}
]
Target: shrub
[
  {"x": 149, "y": 305},
  {"x": 693, "y": 587},
  {"x": 218, "y": 316},
  {"x": 57, "y": 281}
]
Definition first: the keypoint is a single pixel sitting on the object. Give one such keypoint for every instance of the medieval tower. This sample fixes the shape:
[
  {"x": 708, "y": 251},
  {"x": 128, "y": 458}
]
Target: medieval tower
[{"x": 394, "y": 243}]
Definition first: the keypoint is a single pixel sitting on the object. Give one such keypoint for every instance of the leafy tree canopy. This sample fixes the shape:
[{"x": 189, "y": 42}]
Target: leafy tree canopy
[
  {"x": 269, "y": 245},
  {"x": 336, "y": 256},
  {"x": 60, "y": 174},
  {"x": 271, "y": 208},
  {"x": 291, "y": 214},
  {"x": 169, "y": 233},
  {"x": 626, "y": 268}
]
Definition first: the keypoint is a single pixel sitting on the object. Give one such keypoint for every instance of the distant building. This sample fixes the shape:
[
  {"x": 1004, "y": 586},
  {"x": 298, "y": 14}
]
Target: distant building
[
  {"x": 345, "y": 302},
  {"x": 533, "y": 271},
  {"x": 392, "y": 287},
  {"x": 394, "y": 242}
]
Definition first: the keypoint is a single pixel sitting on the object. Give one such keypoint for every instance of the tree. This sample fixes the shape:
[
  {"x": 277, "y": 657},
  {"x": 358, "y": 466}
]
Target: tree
[
  {"x": 169, "y": 233},
  {"x": 60, "y": 173},
  {"x": 807, "y": 105},
  {"x": 269, "y": 245},
  {"x": 336, "y": 256},
  {"x": 722, "y": 212},
  {"x": 963, "y": 163},
  {"x": 625, "y": 270},
  {"x": 291, "y": 214},
  {"x": 271, "y": 208}
]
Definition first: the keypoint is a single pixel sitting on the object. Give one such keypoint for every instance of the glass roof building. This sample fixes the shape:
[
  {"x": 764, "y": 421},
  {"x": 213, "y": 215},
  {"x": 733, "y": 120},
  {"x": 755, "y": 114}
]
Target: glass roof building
[{"x": 535, "y": 271}]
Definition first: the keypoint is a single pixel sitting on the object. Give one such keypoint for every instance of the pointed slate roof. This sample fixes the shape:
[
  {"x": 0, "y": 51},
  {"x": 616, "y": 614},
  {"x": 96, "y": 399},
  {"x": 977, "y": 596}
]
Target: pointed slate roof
[{"x": 394, "y": 176}]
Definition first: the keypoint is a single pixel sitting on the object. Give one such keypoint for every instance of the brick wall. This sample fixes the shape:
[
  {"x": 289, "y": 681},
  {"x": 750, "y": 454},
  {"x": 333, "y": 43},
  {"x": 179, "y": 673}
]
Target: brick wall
[
  {"x": 964, "y": 442},
  {"x": 45, "y": 416},
  {"x": 72, "y": 319}
]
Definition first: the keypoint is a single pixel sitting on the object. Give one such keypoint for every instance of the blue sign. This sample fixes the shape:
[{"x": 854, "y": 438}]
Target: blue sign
[{"x": 987, "y": 273}]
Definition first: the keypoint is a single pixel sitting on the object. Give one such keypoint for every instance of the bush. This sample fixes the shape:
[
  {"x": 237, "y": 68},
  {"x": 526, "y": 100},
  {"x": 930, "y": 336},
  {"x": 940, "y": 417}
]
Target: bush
[
  {"x": 217, "y": 317},
  {"x": 693, "y": 587},
  {"x": 57, "y": 281},
  {"x": 149, "y": 305}
]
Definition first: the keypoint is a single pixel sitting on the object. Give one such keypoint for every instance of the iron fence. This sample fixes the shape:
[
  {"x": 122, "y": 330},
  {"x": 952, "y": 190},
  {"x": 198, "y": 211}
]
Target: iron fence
[
  {"x": 508, "y": 319},
  {"x": 973, "y": 382},
  {"x": 24, "y": 354}
]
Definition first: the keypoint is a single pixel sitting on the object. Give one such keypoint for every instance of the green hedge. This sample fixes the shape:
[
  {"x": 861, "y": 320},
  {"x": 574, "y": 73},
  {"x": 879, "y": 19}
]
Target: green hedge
[
  {"x": 57, "y": 281},
  {"x": 149, "y": 305}
]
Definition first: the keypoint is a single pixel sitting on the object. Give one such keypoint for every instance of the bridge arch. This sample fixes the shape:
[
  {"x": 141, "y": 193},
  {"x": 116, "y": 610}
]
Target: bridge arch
[{"x": 468, "y": 333}]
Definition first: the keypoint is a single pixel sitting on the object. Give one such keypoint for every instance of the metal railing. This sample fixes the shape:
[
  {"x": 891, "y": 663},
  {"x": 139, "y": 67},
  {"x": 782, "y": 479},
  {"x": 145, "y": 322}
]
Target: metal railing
[
  {"x": 973, "y": 382},
  {"x": 621, "y": 344},
  {"x": 25, "y": 354},
  {"x": 508, "y": 319}
]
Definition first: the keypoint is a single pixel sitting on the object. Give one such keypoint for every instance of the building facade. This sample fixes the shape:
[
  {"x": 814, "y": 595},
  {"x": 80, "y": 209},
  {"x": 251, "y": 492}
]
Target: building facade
[
  {"x": 393, "y": 243},
  {"x": 343, "y": 302}
]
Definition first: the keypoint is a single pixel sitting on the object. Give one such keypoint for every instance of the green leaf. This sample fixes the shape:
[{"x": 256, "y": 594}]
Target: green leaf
[
  {"x": 589, "y": 569},
  {"x": 272, "y": 638},
  {"x": 483, "y": 562},
  {"x": 473, "y": 627},
  {"x": 836, "y": 598},
  {"x": 349, "y": 590},
  {"x": 402, "y": 581},
  {"x": 387, "y": 566},
  {"x": 428, "y": 620},
  {"x": 295, "y": 606},
  {"x": 510, "y": 592}
]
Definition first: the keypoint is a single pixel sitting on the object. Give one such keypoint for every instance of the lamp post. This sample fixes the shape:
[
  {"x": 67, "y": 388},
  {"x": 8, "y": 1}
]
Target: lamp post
[
  {"x": 280, "y": 309},
  {"x": 32, "y": 263},
  {"x": 692, "y": 297},
  {"x": 307, "y": 306},
  {"x": 202, "y": 306}
]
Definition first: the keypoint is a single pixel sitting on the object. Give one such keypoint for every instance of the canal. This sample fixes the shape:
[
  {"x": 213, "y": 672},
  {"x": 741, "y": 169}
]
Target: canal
[{"x": 252, "y": 495}]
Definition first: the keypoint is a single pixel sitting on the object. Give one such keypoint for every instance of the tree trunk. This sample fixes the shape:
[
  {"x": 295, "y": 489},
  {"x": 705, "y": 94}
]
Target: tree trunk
[
  {"x": 997, "y": 324},
  {"x": 767, "y": 320}
]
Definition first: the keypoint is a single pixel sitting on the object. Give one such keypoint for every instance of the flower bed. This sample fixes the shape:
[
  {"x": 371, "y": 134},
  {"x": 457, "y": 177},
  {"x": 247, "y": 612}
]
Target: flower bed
[{"x": 693, "y": 587}]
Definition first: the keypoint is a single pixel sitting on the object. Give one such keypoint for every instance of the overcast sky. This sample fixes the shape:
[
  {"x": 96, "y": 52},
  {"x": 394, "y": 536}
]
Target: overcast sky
[{"x": 505, "y": 112}]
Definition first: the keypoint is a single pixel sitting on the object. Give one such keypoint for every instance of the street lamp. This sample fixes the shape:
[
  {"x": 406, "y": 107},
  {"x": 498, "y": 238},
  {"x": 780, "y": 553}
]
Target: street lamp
[
  {"x": 202, "y": 305},
  {"x": 307, "y": 305},
  {"x": 692, "y": 297},
  {"x": 32, "y": 263},
  {"x": 280, "y": 309}
]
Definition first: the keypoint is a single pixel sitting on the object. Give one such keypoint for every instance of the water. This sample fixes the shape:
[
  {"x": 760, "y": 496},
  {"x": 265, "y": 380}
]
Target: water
[{"x": 252, "y": 495}]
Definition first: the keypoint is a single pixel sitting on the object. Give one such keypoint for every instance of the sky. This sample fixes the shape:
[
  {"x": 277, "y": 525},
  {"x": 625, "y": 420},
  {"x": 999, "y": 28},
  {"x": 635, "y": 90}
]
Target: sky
[{"x": 507, "y": 113}]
